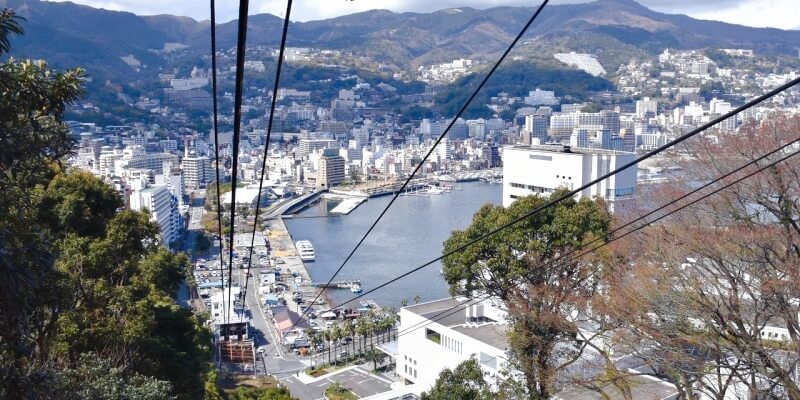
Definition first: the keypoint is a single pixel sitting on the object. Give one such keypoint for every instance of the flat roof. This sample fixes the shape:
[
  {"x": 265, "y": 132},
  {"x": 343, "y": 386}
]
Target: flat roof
[
  {"x": 558, "y": 148},
  {"x": 492, "y": 334},
  {"x": 436, "y": 305}
]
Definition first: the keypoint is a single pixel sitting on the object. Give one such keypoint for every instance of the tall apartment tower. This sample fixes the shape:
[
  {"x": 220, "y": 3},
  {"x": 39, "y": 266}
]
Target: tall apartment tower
[{"x": 331, "y": 168}]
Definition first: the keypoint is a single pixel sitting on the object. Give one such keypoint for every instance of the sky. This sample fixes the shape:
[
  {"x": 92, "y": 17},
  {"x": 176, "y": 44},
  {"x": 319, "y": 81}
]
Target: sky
[{"x": 760, "y": 13}]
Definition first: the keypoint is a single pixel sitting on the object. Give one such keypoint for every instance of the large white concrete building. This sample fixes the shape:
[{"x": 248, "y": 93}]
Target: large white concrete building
[
  {"x": 429, "y": 343},
  {"x": 163, "y": 208},
  {"x": 543, "y": 169},
  {"x": 197, "y": 171}
]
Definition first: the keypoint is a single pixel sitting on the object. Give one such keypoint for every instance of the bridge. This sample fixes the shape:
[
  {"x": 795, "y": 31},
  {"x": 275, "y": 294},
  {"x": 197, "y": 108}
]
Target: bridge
[{"x": 293, "y": 205}]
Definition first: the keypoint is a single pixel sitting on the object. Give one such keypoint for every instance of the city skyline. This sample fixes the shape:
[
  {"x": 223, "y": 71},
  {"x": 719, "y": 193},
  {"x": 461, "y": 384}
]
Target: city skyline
[{"x": 755, "y": 13}]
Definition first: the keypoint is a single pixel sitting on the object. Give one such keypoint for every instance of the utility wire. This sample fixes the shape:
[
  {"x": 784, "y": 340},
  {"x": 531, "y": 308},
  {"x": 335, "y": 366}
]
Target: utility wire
[
  {"x": 459, "y": 307},
  {"x": 216, "y": 142},
  {"x": 419, "y": 166},
  {"x": 241, "y": 47},
  {"x": 710, "y": 183},
  {"x": 266, "y": 146},
  {"x": 574, "y": 192},
  {"x": 647, "y": 223}
]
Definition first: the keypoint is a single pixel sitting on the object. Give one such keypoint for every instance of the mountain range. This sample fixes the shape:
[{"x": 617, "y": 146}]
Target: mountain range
[{"x": 67, "y": 34}]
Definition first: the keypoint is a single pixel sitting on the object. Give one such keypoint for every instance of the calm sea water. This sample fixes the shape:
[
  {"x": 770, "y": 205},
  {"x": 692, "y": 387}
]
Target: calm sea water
[{"x": 410, "y": 234}]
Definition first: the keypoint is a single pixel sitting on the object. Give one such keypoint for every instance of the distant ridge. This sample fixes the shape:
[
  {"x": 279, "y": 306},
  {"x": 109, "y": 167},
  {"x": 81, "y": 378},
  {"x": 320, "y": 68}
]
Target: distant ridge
[{"x": 68, "y": 34}]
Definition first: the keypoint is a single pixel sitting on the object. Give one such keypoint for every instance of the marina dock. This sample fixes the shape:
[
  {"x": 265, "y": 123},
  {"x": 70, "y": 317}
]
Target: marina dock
[{"x": 348, "y": 205}]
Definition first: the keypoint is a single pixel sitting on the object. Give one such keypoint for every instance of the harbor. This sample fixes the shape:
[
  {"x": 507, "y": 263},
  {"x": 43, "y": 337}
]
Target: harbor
[{"x": 411, "y": 233}]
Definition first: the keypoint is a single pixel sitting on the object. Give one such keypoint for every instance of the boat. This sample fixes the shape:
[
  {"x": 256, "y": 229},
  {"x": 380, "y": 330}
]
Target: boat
[
  {"x": 305, "y": 250},
  {"x": 433, "y": 190},
  {"x": 356, "y": 288}
]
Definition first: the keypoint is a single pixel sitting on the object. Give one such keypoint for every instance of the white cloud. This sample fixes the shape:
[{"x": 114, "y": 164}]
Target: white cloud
[{"x": 774, "y": 13}]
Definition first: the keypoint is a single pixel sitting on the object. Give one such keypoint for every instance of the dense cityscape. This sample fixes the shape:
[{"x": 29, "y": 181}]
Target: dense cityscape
[{"x": 684, "y": 309}]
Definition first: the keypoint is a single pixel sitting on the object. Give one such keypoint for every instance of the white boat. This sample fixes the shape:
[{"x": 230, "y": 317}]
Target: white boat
[
  {"x": 356, "y": 288},
  {"x": 433, "y": 190},
  {"x": 305, "y": 250}
]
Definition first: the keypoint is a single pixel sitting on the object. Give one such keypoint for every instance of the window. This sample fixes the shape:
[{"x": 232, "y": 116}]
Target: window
[
  {"x": 433, "y": 336},
  {"x": 620, "y": 192},
  {"x": 533, "y": 188}
]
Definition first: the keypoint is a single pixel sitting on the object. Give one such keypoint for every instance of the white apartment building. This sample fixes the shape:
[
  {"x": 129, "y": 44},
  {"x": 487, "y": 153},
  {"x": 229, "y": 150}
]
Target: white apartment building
[
  {"x": 473, "y": 331},
  {"x": 197, "y": 171},
  {"x": 172, "y": 178},
  {"x": 541, "y": 98},
  {"x": 163, "y": 210},
  {"x": 543, "y": 169},
  {"x": 308, "y": 146},
  {"x": 587, "y": 62}
]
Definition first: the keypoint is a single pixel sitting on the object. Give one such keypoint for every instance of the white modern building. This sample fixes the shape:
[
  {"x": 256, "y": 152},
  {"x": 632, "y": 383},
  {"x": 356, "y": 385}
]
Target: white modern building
[
  {"x": 587, "y": 62},
  {"x": 541, "y": 98},
  {"x": 428, "y": 343},
  {"x": 543, "y": 169},
  {"x": 197, "y": 171},
  {"x": 163, "y": 208}
]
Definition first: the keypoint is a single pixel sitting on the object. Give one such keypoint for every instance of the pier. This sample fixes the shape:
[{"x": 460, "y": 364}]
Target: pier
[
  {"x": 348, "y": 205},
  {"x": 345, "y": 284}
]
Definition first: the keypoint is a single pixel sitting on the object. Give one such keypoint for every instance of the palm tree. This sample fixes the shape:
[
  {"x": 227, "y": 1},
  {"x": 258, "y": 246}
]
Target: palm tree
[
  {"x": 363, "y": 329},
  {"x": 350, "y": 330},
  {"x": 417, "y": 299},
  {"x": 376, "y": 357},
  {"x": 386, "y": 324},
  {"x": 328, "y": 337},
  {"x": 315, "y": 341},
  {"x": 404, "y": 303},
  {"x": 336, "y": 335}
]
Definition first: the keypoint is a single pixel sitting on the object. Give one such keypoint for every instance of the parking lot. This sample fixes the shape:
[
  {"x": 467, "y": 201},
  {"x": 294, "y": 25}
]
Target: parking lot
[{"x": 358, "y": 380}]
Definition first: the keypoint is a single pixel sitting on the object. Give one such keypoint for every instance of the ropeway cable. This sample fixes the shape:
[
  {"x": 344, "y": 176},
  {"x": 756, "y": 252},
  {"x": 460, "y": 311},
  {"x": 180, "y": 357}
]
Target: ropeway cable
[
  {"x": 216, "y": 143},
  {"x": 460, "y": 307},
  {"x": 241, "y": 48},
  {"x": 266, "y": 145},
  {"x": 419, "y": 166},
  {"x": 572, "y": 193}
]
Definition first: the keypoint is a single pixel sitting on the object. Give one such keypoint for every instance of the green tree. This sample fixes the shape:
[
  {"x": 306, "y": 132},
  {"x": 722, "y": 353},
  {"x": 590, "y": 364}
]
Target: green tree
[
  {"x": 78, "y": 203},
  {"x": 32, "y": 141},
  {"x": 376, "y": 356},
  {"x": 465, "y": 382},
  {"x": 94, "y": 378},
  {"x": 248, "y": 393},
  {"x": 517, "y": 266}
]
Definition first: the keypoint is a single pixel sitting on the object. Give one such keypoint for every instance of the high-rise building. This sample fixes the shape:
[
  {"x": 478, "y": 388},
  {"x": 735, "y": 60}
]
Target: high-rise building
[
  {"x": 561, "y": 125},
  {"x": 541, "y": 97},
  {"x": 163, "y": 208},
  {"x": 331, "y": 168},
  {"x": 172, "y": 178},
  {"x": 646, "y": 107},
  {"x": 610, "y": 121},
  {"x": 579, "y": 138},
  {"x": 197, "y": 171},
  {"x": 537, "y": 126},
  {"x": 543, "y": 169},
  {"x": 308, "y": 146}
]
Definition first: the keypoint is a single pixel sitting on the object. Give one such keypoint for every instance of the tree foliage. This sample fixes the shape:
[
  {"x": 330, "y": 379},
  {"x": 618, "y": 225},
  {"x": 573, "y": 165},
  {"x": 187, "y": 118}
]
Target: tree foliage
[
  {"x": 716, "y": 285},
  {"x": 86, "y": 294},
  {"x": 465, "y": 382},
  {"x": 521, "y": 267},
  {"x": 516, "y": 79}
]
